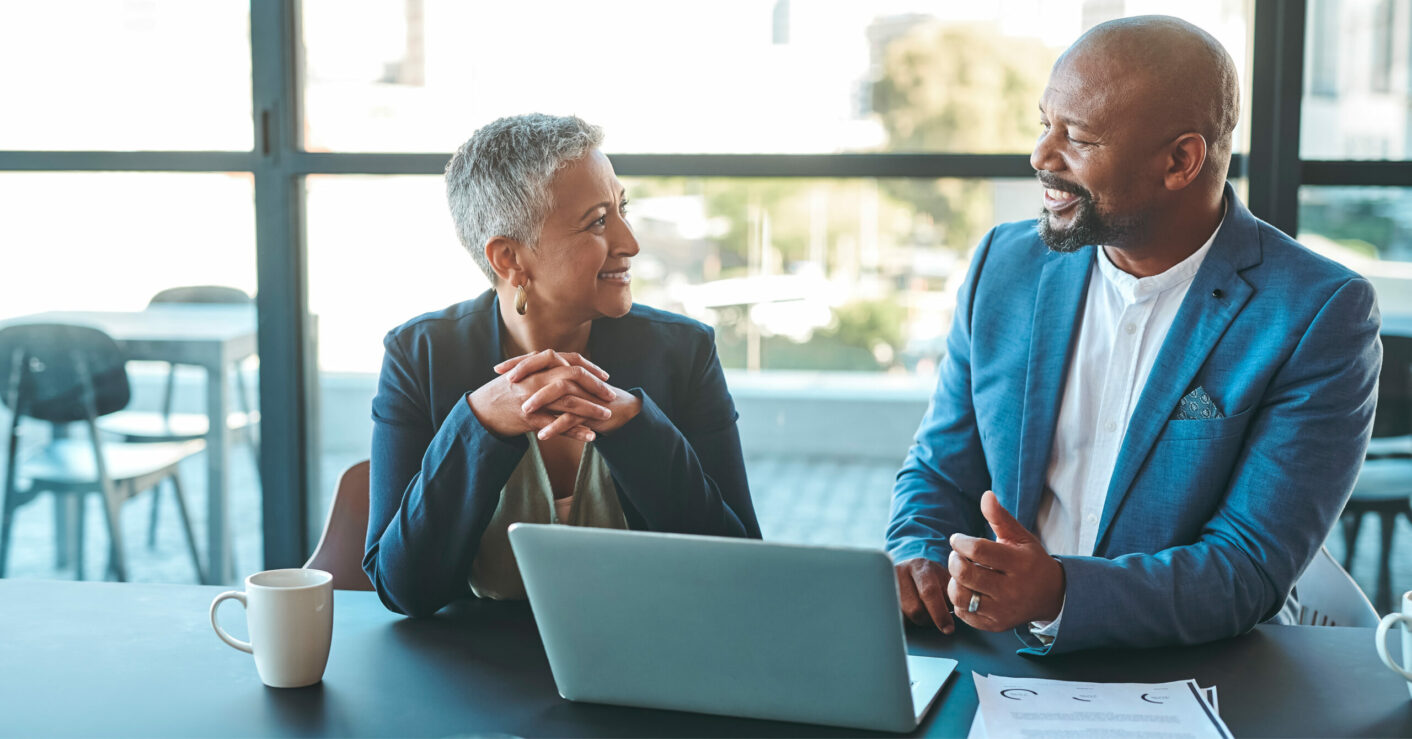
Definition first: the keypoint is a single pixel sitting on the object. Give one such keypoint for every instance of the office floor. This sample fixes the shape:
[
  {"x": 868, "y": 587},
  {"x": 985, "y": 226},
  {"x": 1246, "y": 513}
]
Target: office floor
[{"x": 798, "y": 500}]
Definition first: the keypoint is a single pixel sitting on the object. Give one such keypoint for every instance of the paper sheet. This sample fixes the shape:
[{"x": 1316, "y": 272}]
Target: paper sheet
[{"x": 1033, "y": 707}]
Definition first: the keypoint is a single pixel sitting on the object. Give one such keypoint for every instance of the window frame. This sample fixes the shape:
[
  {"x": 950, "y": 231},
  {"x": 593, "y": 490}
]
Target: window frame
[{"x": 288, "y": 379}]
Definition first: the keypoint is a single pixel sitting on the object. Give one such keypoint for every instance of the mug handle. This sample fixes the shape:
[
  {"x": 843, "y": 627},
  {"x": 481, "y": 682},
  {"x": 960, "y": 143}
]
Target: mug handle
[
  {"x": 244, "y": 646},
  {"x": 1381, "y": 638}
]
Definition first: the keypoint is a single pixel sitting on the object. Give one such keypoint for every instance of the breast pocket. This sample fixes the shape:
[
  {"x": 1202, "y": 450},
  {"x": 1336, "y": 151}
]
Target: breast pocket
[{"x": 1190, "y": 429}]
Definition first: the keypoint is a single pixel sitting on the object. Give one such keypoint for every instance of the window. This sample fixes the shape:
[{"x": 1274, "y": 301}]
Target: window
[
  {"x": 1358, "y": 104},
  {"x": 148, "y": 75},
  {"x": 105, "y": 243},
  {"x": 1323, "y": 48},
  {"x": 1369, "y": 229},
  {"x": 743, "y": 76},
  {"x": 855, "y": 91},
  {"x": 853, "y": 277}
]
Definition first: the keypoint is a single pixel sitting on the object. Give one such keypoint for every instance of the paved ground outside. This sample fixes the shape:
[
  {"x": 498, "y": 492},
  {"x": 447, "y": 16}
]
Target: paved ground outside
[{"x": 812, "y": 501}]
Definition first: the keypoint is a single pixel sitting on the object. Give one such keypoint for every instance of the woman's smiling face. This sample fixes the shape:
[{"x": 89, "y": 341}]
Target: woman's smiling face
[{"x": 579, "y": 269}]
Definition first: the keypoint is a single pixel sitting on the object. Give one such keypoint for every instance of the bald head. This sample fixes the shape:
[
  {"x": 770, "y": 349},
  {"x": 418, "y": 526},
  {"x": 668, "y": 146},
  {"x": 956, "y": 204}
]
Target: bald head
[
  {"x": 1137, "y": 123},
  {"x": 1165, "y": 74}
]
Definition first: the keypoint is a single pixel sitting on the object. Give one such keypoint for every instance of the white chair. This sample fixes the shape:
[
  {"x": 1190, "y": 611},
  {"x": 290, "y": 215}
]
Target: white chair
[{"x": 1329, "y": 597}]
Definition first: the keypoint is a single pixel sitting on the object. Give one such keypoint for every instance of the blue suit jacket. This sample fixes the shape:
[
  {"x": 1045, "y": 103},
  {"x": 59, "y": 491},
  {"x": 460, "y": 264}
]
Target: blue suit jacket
[
  {"x": 1207, "y": 522},
  {"x": 437, "y": 472}
]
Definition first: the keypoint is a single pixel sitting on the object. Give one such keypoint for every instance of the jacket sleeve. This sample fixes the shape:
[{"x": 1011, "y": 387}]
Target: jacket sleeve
[
  {"x": 938, "y": 489},
  {"x": 1293, "y": 476},
  {"x": 432, "y": 490},
  {"x": 686, "y": 476}
]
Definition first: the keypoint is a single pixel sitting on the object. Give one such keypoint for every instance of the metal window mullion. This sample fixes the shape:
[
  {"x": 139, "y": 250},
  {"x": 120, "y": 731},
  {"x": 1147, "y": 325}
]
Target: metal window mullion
[
  {"x": 915, "y": 165},
  {"x": 126, "y": 161},
  {"x": 288, "y": 372},
  {"x": 709, "y": 165},
  {"x": 1275, "y": 107},
  {"x": 1353, "y": 173}
]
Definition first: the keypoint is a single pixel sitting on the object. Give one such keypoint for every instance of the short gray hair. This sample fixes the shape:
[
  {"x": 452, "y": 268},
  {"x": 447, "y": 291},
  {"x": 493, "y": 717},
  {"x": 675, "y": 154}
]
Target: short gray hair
[{"x": 497, "y": 183}]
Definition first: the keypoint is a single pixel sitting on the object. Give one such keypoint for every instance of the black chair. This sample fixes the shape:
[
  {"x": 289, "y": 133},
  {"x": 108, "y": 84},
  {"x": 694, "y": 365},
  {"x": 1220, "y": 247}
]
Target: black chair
[
  {"x": 61, "y": 374},
  {"x": 1384, "y": 486},
  {"x": 167, "y": 426}
]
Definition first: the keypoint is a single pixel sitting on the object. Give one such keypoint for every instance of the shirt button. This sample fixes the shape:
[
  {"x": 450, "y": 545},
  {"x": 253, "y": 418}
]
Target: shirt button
[
  {"x": 1130, "y": 328},
  {"x": 1092, "y": 518},
  {"x": 1110, "y": 426}
]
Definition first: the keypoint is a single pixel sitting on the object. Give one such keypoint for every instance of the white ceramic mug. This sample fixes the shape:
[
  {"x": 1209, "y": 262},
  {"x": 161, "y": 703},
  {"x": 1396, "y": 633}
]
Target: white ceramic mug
[
  {"x": 290, "y": 618},
  {"x": 1405, "y": 618}
]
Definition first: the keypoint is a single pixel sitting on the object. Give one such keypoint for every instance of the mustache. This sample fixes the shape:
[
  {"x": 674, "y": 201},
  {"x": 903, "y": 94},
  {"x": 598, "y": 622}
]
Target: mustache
[{"x": 1053, "y": 182}]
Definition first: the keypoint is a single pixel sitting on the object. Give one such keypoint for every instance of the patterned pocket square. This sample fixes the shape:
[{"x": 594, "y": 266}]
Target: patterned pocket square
[{"x": 1195, "y": 406}]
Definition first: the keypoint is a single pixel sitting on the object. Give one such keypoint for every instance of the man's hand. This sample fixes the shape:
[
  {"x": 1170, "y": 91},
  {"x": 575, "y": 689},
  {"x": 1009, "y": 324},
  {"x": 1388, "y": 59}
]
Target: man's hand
[
  {"x": 1016, "y": 579},
  {"x": 921, "y": 586}
]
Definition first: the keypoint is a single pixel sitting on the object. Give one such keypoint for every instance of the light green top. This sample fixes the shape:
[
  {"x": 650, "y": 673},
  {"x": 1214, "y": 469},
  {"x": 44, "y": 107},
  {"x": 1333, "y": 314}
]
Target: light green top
[{"x": 529, "y": 497}]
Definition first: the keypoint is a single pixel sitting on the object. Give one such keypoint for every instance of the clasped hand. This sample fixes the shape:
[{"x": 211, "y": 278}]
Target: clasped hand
[
  {"x": 552, "y": 393},
  {"x": 1016, "y": 579}
]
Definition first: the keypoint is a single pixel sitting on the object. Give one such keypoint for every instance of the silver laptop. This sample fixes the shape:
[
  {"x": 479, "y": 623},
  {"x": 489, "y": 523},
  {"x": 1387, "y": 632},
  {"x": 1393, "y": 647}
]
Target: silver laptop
[{"x": 726, "y": 626}]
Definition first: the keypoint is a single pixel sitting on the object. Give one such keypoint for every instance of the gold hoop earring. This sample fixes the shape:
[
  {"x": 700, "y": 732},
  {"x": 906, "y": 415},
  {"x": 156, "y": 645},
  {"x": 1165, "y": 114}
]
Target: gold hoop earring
[{"x": 521, "y": 300}]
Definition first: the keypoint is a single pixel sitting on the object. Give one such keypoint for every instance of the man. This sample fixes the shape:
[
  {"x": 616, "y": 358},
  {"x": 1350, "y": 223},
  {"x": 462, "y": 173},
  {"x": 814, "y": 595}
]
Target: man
[{"x": 1169, "y": 398}]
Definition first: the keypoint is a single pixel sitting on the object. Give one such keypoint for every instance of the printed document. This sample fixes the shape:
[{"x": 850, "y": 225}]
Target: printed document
[{"x": 1056, "y": 709}]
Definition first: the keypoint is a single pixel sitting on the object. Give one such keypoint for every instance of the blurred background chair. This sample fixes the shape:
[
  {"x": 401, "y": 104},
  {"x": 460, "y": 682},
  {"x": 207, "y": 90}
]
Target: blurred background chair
[
  {"x": 1384, "y": 485},
  {"x": 1328, "y": 596},
  {"x": 340, "y": 549},
  {"x": 60, "y": 375},
  {"x": 167, "y": 425}
]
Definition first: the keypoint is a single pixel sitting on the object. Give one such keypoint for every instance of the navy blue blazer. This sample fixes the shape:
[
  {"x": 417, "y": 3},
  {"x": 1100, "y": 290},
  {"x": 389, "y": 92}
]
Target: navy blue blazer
[
  {"x": 1207, "y": 521},
  {"x": 437, "y": 472}
]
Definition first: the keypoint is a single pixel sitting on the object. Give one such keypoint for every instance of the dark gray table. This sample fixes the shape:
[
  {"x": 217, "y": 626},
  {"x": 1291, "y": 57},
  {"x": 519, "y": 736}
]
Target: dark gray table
[{"x": 106, "y": 659}]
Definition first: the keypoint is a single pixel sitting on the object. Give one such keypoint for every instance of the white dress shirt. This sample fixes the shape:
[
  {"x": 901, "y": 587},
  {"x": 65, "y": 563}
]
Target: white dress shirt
[{"x": 1125, "y": 321}]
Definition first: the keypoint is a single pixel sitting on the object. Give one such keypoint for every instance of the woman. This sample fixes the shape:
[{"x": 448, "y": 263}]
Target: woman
[{"x": 550, "y": 398}]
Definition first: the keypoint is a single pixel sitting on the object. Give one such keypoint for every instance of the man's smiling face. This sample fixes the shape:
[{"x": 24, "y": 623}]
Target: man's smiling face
[{"x": 1099, "y": 154}]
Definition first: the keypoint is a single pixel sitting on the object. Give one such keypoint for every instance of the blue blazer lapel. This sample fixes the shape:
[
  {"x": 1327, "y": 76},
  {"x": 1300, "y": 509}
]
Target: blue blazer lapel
[
  {"x": 1199, "y": 324},
  {"x": 1063, "y": 283}
]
